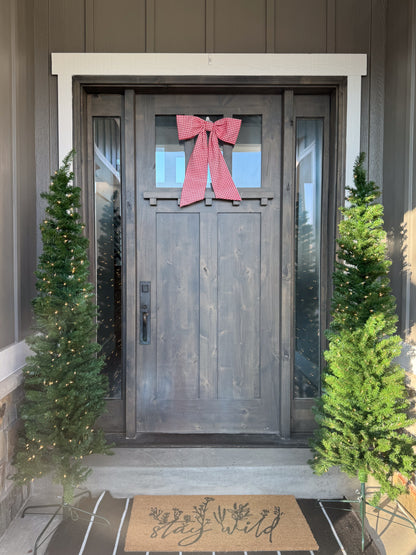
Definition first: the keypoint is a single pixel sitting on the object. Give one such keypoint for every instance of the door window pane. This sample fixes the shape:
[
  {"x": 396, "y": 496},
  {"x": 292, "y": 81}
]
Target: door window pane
[
  {"x": 309, "y": 140},
  {"x": 246, "y": 159},
  {"x": 108, "y": 247},
  {"x": 170, "y": 154}
]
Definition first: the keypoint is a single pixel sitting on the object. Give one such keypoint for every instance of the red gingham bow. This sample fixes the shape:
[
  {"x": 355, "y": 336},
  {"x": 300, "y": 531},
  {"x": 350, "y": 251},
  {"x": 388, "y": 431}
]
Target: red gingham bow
[{"x": 195, "y": 182}]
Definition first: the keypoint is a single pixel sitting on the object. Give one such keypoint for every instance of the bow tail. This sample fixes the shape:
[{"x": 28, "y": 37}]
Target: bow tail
[
  {"x": 195, "y": 181},
  {"x": 222, "y": 182}
]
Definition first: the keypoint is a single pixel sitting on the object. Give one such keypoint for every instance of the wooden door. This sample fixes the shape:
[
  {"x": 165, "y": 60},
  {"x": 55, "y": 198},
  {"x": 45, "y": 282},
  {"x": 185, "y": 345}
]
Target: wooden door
[{"x": 208, "y": 274}]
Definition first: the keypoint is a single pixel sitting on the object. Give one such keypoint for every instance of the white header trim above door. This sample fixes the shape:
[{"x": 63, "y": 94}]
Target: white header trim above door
[{"x": 353, "y": 66}]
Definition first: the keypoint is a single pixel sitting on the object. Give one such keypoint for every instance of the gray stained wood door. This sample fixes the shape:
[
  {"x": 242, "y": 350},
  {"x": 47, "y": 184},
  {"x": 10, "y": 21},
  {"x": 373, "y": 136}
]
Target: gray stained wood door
[{"x": 210, "y": 360}]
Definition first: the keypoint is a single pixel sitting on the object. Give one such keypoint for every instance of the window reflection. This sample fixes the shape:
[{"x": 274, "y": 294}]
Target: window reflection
[
  {"x": 309, "y": 139},
  {"x": 108, "y": 247},
  {"x": 246, "y": 159}
]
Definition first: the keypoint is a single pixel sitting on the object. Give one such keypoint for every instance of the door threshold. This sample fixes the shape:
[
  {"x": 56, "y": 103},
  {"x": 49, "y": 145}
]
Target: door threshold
[{"x": 206, "y": 440}]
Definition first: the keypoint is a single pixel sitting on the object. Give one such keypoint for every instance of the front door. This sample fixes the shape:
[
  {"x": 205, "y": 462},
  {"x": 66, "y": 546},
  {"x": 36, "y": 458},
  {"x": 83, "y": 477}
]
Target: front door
[
  {"x": 208, "y": 273},
  {"x": 210, "y": 315}
]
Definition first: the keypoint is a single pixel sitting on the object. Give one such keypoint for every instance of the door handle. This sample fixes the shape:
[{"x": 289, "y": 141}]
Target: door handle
[
  {"x": 144, "y": 327},
  {"x": 144, "y": 313}
]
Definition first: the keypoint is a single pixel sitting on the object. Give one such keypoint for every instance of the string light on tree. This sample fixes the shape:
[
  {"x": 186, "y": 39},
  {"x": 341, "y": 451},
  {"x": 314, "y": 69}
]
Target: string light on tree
[{"x": 64, "y": 346}]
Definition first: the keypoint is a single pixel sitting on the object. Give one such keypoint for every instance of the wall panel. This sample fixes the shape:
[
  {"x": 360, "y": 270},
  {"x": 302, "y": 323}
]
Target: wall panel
[
  {"x": 353, "y": 35},
  {"x": 6, "y": 178},
  {"x": 66, "y": 25},
  {"x": 352, "y": 26},
  {"x": 411, "y": 209},
  {"x": 25, "y": 167},
  {"x": 42, "y": 108},
  {"x": 300, "y": 26},
  {"x": 376, "y": 83},
  {"x": 118, "y": 26},
  {"x": 180, "y": 26},
  {"x": 396, "y": 148},
  {"x": 66, "y": 31},
  {"x": 249, "y": 34}
]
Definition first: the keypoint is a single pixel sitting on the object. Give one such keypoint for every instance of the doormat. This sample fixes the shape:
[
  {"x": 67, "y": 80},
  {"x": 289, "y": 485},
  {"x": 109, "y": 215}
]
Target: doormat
[{"x": 191, "y": 523}]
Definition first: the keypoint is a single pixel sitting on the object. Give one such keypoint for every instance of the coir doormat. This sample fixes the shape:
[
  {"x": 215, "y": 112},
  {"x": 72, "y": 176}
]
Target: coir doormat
[{"x": 191, "y": 523}]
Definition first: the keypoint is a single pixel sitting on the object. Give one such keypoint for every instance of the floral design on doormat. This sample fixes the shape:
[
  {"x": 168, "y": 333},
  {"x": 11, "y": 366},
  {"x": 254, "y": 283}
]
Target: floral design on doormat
[{"x": 231, "y": 520}]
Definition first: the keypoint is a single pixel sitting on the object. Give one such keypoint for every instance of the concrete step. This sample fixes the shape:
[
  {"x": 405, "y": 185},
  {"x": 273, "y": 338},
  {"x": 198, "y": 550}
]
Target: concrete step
[{"x": 214, "y": 471}]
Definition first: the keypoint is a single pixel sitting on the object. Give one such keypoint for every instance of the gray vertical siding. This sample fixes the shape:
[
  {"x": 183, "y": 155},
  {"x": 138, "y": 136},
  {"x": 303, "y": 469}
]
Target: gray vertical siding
[
  {"x": 180, "y": 23},
  {"x": 25, "y": 166},
  {"x": 379, "y": 28},
  {"x": 67, "y": 25},
  {"x": 353, "y": 25},
  {"x": 115, "y": 29},
  {"x": 17, "y": 171},
  {"x": 248, "y": 35},
  {"x": 411, "y": 287},
  {"x": 375, "y": 114},
  {"x": 301, "y": 26},
  {"x": 7, "y": 260},
  {"x": 399, "y": 160}
]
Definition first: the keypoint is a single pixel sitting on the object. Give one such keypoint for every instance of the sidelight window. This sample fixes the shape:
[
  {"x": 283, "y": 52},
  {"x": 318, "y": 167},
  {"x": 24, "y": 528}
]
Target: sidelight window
[
  {"x": 309, "y": 157},
  {"x": 108, "y": 248}
]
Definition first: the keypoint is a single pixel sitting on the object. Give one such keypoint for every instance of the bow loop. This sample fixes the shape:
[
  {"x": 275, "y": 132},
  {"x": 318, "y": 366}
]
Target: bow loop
[
  {"x": 189, "y": 126},
  {"x": 194, "y": 185},
  {"x": 227, "y": 129}
]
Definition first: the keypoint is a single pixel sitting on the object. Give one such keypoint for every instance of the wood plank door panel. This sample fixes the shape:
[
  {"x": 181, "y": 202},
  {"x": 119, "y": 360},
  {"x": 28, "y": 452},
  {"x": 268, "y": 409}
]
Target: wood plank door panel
[{"x": 212, "y": 364}]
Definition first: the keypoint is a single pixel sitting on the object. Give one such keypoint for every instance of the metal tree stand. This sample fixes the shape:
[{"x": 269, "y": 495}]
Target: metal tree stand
[
  {"x": 68, "y": 512},
  {"x": 363, "y": 503}
]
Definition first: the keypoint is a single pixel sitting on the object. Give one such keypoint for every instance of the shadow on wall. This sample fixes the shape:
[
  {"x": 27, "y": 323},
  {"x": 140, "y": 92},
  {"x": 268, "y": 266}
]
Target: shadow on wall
[
  {"x": 408, "y": 270},
  {"x": 407, "y": 358},
  {"x": 402, "y": 253}
]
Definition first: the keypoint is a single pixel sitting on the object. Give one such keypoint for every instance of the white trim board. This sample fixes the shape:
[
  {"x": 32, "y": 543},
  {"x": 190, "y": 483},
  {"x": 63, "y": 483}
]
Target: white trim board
[
  {"x": 12, "y": 360},
  {"x": 353, "y": 66}
]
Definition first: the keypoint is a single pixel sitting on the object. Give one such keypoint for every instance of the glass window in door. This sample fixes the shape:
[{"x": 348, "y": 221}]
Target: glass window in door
[
  {"x": 309, "y": 143},
  {"x": 108, "y": 248}
]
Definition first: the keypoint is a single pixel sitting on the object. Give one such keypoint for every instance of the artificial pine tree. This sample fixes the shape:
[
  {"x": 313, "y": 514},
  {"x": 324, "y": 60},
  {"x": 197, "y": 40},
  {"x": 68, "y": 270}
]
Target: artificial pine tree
[
  {"x": 64, "y": 389},
  {"x": 362, "y": 413}
]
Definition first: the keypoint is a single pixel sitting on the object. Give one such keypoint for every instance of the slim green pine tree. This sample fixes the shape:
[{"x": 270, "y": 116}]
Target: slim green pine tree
[
  {"x": 362, "y": 414},
  {"x": 64, "y": 389}
]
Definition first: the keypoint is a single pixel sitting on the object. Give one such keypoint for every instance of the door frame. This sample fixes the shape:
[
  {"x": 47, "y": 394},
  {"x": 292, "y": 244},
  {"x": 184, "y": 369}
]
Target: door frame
[
  {"x": 121, "y": 414},
  {"x": 341, "y": 75}
]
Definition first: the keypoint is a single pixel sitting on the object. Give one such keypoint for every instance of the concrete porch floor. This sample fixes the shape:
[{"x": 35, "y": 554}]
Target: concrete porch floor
[{"x": 214, "y": 471}]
